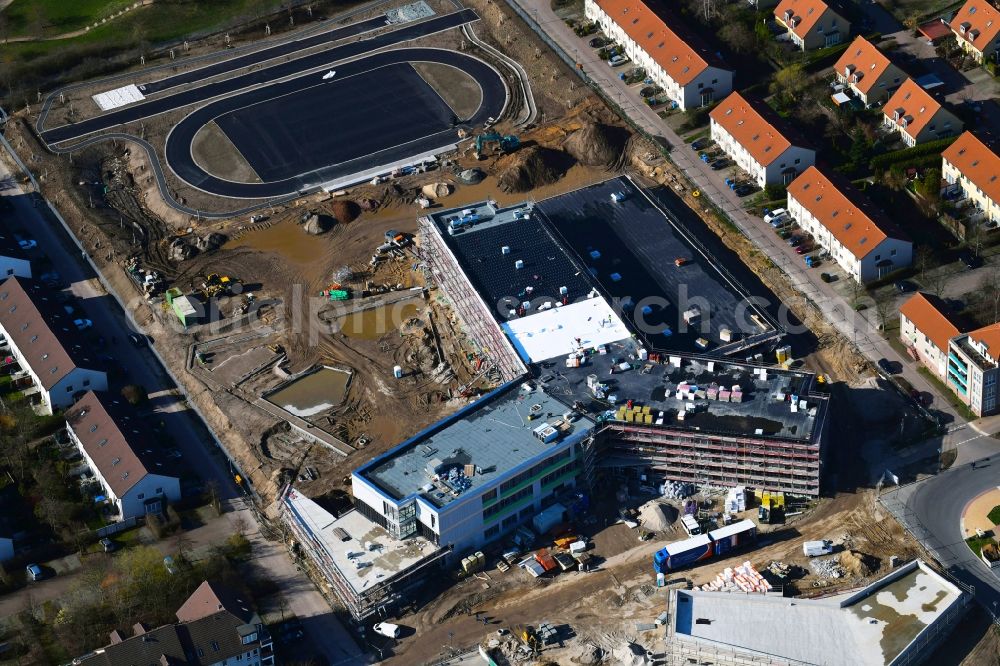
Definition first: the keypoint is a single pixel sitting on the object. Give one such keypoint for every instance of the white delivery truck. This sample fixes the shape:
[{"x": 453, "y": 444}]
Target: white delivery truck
[
  {"x": 387, "y": 629},
  {"x": 817, "y": 548}
]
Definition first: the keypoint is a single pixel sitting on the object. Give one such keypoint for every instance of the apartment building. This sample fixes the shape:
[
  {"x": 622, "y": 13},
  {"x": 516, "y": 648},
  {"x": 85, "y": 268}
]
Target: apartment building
[
  {"x": 215, "y": 628},
  {"x": 973, "y": 168},
  {"x": 691, "y": 74},
  {"x": 749, "y": 133},
  {"x": 976, "y": 26},
  {"x": 926, "y": 328},
  {"x": 917, "y": 116},
  {"x": 973, "y": 368},
  {"x": 136, "y": 475},
  {"x": 47, "y": 343},
  {"x": 811, "y": 24},
  {"x": 857, "y": 234},
  {"x": 867, "y": 72}
]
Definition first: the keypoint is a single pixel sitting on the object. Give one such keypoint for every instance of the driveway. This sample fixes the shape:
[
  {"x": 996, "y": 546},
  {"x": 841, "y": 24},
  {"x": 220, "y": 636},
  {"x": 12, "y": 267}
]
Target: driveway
[{"x": 854, "y": 326}]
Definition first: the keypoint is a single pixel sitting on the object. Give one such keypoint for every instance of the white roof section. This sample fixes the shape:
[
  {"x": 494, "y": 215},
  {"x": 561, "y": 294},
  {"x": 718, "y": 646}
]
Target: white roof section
[
  {"x": 113, "y": 99},
  {"x": 554, "y": 332},
  {"x": 871, "y": 627},
  {"x": 732, "y": 528},
  {"x": 687, "y": 544},
  {"x": 370, "y": 555},
  {"x": 184, "y": 305}
]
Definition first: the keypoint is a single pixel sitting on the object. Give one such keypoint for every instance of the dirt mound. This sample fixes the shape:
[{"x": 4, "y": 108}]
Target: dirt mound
[
  {"x": 531, "y": 167},
  {"x": 436, "y": 190},
  {"x": 597, "y": 144},
  {"x": 858, "y": 564},
  {"x": 345, "y": 210},
  {"x": 317, "y": 224},
  {"x": 656, "y": 516}
]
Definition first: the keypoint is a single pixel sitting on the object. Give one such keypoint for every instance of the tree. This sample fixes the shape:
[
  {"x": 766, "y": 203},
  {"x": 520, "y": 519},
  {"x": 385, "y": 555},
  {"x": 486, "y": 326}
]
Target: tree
[
  {"x": 929, "y": 187},
  {"x": 134, "y": 394},
  {"x": 923, "y": 261},
  {"x": 739, "y": 37},
  {"x": 790, "y": 82},
  {"x": 989, "y": 290},
  {"x": 883, "y": 307}
]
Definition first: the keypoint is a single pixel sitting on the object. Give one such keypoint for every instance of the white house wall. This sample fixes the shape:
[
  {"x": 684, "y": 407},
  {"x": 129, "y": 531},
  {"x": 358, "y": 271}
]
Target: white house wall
[
  {"x": 14, "y": 267},
  {"x": 134, "y": 501},
  {"x": 80, "y": 379}
]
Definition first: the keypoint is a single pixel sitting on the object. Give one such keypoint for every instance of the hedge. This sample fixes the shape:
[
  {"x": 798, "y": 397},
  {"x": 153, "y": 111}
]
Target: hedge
[{"x": 931, "y": 148}]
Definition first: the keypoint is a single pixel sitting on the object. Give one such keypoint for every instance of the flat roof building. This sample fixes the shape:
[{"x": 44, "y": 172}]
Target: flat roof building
[
  {"x": 896, "y": 620},
  {"x": 690, "y": 73},
  {"x": 858, "y": 235},
  {"x": 48, "y": 344}
]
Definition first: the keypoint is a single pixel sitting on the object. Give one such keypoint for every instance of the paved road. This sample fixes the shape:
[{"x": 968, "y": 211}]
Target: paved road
[
  {"x": 853, "y": 325},
  {"x": 190, "y": 434},
  {"x": 932, "y": 511},
  {"x": 257, "y": 57},
  {"x": 266, "y": 76},
  {"x": 385, "y": 149}
]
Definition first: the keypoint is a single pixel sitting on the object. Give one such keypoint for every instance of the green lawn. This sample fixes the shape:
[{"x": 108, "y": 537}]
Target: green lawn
[
  {"x": 977, "y": 543},
  {"x": 994, "y": 515},
  {"x": 55, "y": 17}
]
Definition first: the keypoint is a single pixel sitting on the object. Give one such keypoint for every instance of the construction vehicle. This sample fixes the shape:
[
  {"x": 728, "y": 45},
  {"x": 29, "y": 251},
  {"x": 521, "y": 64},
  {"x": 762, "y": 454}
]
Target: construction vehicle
[
  {"x": 507, "y": 143},
  {"x": 217, "y": 285}
]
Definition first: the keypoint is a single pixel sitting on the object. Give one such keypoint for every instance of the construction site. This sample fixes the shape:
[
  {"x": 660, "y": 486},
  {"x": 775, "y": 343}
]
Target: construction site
[{"x": 324, "y": 331}]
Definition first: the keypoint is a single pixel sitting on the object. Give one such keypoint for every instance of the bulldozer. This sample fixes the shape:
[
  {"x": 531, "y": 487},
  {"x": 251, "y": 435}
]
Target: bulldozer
[
  {"x": 217, "y": 285},
  {"x": 507, "y": 143}
]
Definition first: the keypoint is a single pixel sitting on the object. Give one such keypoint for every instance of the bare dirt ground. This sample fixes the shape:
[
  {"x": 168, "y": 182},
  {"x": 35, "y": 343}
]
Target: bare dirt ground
[{"x": 457, "y": 89}]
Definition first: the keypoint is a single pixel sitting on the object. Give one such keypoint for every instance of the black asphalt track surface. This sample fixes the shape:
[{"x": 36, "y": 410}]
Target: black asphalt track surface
[
  {"x": 263, "y": 55},
  {"x": 336, "y": 121},
  {"x": 117, "y": 120},
  {"x": 381, "y": 146}
]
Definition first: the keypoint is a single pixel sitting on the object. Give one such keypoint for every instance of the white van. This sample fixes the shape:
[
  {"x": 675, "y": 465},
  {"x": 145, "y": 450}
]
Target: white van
[
  {"x": 387, "y": 629},
  {"x": 817, "y": 548}
]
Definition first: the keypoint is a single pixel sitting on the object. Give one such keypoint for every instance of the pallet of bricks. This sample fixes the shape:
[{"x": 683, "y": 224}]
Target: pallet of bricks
[{"x": 743, "y": 578}]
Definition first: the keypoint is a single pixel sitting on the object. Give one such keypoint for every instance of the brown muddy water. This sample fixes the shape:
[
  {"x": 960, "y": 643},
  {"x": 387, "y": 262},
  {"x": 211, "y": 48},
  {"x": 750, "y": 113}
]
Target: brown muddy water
[
  {"x": 375, "y": 322},
  {"x": 313, "y": 394}
]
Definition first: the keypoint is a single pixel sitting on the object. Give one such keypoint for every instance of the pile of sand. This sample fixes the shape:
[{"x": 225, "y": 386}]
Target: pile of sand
[
  {"x": 597, "y": 144},
  {"x": 531, "y": 167},
  {"x": 656, "y": 516},
  {"x": 317, "y": 224},
  {"x": 436, "y": 190},
  {"x": 857, "y": 564}
]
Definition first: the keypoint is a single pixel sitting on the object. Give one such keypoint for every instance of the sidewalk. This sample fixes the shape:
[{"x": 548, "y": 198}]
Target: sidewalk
[{"x": 837, "y": 311}]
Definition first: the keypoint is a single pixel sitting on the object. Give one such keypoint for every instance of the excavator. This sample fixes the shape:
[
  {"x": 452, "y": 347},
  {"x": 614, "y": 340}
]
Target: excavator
[{"x": 507, "y": 143}]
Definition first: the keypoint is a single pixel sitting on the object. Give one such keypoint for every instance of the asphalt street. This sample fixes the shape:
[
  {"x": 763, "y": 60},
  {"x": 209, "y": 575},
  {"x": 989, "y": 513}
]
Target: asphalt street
[
  {"x": 131, "y": 114},
  {"x": 335, "y": 121},
  {"x": 251, "y": 59},
  {"x": 383, "y": 148}
]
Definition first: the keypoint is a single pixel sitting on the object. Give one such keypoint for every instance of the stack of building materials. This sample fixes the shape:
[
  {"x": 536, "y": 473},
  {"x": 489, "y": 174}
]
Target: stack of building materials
[
  {"x": 677, "y": 490},
  {"x": 743, "y": 578},
  {"x": 736, "y": 500}
]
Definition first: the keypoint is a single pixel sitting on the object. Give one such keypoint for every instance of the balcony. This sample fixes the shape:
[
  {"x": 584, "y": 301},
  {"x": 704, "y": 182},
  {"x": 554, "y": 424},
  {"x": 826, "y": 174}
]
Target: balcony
[
  {"x": 981, "y": 362},
  {"x": 957, "y": 383},
  {"x": 961, "y": 365}
]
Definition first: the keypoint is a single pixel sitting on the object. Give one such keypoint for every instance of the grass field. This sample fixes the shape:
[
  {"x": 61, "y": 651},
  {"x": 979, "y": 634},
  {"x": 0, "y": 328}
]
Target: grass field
[
  {"x": 55, "y": 17},
  {"x": 994, "y": 515}
]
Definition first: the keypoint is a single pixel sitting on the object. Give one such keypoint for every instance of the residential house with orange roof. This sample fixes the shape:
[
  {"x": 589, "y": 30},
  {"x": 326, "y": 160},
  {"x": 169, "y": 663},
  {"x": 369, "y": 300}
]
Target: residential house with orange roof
[
  {"x": 858, "y": 235},
  {"x": 690, "y": 73},
  {"x": 972, "y": 168},
  {"x": 917, "y": 116},
  {"x": 811, "y": 24},
  {"x": 926, "y": 328},
  {"x": 976, "y": 26},
  {"x": 868, "y": 72},
  {"x": 749, "y": 133},
  {"x": 974, "y": 368}
]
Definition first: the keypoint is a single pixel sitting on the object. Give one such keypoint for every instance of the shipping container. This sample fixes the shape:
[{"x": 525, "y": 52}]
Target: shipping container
[
  {"x": 545, "y": 559},
  {"x": 733, "y": 536},
  {"x": 682, "y": 553}
]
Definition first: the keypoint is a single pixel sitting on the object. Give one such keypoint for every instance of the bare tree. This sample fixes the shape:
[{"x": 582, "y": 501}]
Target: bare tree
[
  {"x": 989, "y": 290},
  {"x": 935, "y": 281},
  {"x": 923, "y": 260},
  {"x": 883, "y": 307}
]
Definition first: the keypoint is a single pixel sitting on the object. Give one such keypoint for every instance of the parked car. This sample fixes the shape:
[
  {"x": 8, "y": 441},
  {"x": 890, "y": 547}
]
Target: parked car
[
  {"x": 598, "y": 42},
  {"x": 35, "y": 572},
  {"x": 743, "y": 190},
  {"x": 618, "y": 60},
  {"x": 886, "y": 366},
  {"x": 387, "y": 629},
  {"x": 108, "y": 545},
  {"x": 719, "y": 164},
  {"x": 826, "y": 277},
  {"x": 904, "y": 286},
  {"x": 777, "y": 213},
  {"x": 699, "y": 144},
  {"x": 802, "y": 249},
  {"x": 795, "y": 241}
]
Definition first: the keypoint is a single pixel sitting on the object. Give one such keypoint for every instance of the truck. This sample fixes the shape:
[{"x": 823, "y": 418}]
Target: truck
[
  {"x": 680, "y": 554},
  {"x": 387, "y": 629},
  {"x": 733, "y": 536},
  {"x": 817, "y": 548},
  {"x": 718, "y": 542}
]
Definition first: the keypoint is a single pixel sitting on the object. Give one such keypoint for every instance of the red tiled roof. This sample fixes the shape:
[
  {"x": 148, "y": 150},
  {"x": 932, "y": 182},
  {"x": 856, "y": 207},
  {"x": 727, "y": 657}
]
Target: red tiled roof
[
  {"x": 748, "y": 123},
  {"x": 678, "y": 58},
  {"x": 977, "y": 162},
  {"x": 914, "y": 104},
  {"x": 989, "y": 336},
  {"x": 930, "y": 315},
  {"x": 851, "y": 218},
  {"x": 866, "y": 62},
  {"x": 977, "y": 23},
  {"x": 807, "y": 11}
]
